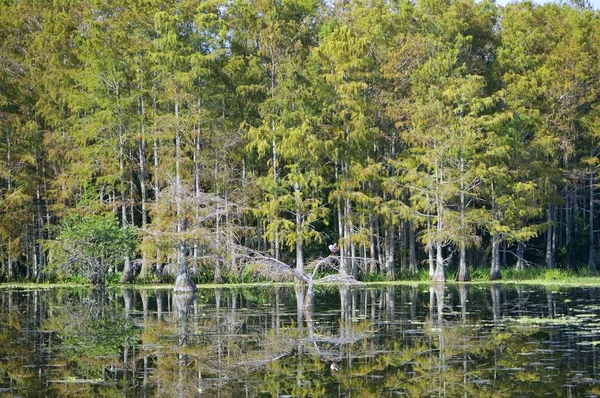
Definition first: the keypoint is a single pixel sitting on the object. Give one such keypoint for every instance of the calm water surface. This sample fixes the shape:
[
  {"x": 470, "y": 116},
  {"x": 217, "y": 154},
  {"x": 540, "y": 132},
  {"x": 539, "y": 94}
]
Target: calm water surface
[{"x": 492, "y": 340}]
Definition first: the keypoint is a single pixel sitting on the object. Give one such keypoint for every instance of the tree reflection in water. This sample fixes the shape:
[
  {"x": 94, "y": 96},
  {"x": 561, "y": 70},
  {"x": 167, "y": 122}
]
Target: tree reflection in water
[{"x": 444, "y": 340}]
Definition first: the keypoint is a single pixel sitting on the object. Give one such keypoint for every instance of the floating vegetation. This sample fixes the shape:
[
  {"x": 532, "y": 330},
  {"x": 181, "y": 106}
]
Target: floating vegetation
[{"x": 561, "y": 320}]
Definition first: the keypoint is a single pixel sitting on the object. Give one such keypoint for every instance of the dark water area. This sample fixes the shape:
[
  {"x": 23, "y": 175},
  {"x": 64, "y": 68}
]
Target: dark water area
[{"x": 479, "y": 340}]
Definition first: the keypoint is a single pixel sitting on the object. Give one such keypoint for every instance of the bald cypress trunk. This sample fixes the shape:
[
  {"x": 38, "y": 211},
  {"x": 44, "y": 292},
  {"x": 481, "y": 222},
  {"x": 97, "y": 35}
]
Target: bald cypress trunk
[
  {"x": 591, "y": 244},
  {"x": 463, "y": 271},
  {"x": 495, "y": 268},
  {"x": 439, "y": 275},
  {"x": 520, "y": 256},
  {"x": 127, "y": 276},
  {"x": 391, "y": 249},
  {"x": 413, "y": 248},
  {"x": 430, "y": 254},
  {"x": 299, "y": 245},
  {"x": 550, "y": 240},
  {"x": 183, "y": 283}
]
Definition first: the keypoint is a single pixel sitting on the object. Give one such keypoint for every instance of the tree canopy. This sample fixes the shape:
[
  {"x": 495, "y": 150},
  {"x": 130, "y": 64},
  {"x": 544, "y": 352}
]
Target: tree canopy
[{"x": 437, "y": 135}]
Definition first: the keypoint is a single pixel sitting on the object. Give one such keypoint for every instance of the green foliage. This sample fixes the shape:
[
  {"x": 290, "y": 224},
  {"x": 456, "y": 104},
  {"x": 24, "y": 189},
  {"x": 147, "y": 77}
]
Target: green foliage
[
  {"x": 479, "y": 273},
  {"x": 374, "y": 278},
  {"x": 91, "y": 245},
  {"x": 288, "y": 125}
]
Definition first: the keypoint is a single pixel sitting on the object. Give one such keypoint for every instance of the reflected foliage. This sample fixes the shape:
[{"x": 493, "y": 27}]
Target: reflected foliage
[{"x": 450, "y": 341}]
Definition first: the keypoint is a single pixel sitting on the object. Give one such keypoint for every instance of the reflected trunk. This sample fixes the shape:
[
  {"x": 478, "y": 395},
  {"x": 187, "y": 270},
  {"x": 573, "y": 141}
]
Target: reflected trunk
[
  {"x": 159, "y": 304},
  {"x": 495, "y": 291},
  {"x": 300, "y": 294},
  {"x": 182, "y": 304},
  {"x": 390, "y": 299},
  {"x": 309, "y": 315},
  {"x": 128, "y": 297},
  {"x": 463, "y": 291},
  {"x": 436, "y": 302},
  {"x": 551, "y": 305}
]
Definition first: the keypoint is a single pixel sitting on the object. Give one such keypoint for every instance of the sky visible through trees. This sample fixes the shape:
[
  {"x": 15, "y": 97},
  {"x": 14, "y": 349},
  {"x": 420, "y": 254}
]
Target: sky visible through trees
[{"x": 420, "y": 136}]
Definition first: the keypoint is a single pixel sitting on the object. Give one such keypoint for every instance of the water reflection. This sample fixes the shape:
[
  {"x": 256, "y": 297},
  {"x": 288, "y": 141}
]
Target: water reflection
[{"x": 445, "y": 340}]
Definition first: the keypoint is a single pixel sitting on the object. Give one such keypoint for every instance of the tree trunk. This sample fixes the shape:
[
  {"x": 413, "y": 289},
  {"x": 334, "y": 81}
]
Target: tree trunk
[
  {"x": 391, "y": 248},
  {"x": 156, "y": 167},
  {"x": 549, "y": 240},
  {"x": 592, "y": 251},
  {"x": 463, "y": 271},
  {"x": 276, "y": 249},
  {"x": 299, "y": 244},
  {"x": 430, "y": 254},
  {"x": 439, "y": 275},
  {"x": 495, "y": 268},
  {"x": 342, "y": 248},
  {"x": 413, "y": 248},
  {"x": 183, "y": 283},
  {"x": 142, "y": 165},
  {"x": 520, "y": 256},
  {"x": 380, "y": 254},
  {"x": 127, "y": 276},
  {"x": 127, "y": 272},
  {"x": 404, "y": 247},
  {"x": 196, "y": 159},
  {"x": 39, "y": 225},
  {"x": 218, "y": 278},
  {"x": 348, "y": 228},
  {"x": 122, "y": 182},
  {"x": 9, "y": 267},
  {"x": 569, "y": 228},
  {"x": 142, "y": 161},
  {"x": 372, "y": 248}
]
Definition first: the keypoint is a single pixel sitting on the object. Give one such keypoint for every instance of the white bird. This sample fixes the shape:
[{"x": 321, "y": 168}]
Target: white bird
[{"x": 333, "y": 249}]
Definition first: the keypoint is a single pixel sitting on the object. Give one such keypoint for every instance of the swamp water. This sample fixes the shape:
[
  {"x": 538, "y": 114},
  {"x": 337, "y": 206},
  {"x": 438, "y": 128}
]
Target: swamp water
[{"x": 478, "y": 340}]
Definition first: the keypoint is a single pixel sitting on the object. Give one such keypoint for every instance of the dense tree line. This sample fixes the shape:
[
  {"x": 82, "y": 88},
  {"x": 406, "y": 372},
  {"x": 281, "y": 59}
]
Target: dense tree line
[{"x": 416, "y": 134}]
